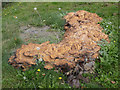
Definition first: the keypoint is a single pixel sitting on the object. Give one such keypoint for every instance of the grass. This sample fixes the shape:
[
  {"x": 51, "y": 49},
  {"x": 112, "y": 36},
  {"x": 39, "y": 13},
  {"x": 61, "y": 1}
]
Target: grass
[{"x": 106, "y": 70}]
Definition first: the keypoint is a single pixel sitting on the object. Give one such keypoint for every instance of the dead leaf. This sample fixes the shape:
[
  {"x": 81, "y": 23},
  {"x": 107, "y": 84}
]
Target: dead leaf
[{"x": 113, "y": 82}]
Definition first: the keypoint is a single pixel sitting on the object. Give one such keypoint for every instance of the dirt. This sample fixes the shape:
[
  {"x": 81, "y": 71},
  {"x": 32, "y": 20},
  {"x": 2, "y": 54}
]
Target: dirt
[{"x": 30, "y": 33}]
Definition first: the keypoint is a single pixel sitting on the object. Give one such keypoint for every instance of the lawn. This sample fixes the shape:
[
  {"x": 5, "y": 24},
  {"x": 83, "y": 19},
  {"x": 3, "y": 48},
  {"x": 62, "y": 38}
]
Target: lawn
[{"x": 16, "y": 15}]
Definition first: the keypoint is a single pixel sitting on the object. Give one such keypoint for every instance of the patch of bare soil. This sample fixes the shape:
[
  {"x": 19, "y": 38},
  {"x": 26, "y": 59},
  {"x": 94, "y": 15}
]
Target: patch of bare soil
[{"x": 30, "y": 34}]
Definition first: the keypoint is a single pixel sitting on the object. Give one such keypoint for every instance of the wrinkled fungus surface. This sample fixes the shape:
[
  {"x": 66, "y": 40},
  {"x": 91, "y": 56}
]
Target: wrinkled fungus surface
[{"x": 76, "y": 52}]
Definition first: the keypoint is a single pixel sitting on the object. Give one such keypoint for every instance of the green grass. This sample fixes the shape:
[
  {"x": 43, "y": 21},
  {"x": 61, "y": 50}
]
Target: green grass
[{"x": 106, "y": 70}]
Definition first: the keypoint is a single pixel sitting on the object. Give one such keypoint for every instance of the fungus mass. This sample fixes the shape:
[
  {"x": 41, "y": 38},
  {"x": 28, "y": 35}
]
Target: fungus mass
[{"x": 77, "y": 49}]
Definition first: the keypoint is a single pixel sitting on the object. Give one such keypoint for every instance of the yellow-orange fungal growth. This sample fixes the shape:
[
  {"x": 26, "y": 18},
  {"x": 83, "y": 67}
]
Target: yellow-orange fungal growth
[{"x": 78, "y": 45}]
